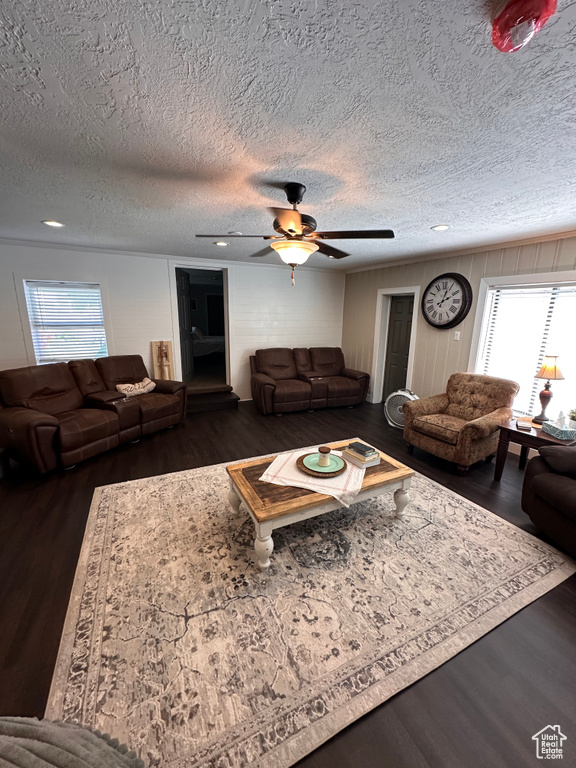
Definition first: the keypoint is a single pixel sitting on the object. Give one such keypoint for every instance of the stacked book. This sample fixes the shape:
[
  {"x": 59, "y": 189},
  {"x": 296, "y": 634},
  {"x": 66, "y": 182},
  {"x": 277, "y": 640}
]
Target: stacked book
[{"x": 361, "y": 454}]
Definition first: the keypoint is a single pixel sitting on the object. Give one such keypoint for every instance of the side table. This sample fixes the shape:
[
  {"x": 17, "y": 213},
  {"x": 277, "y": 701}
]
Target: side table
[{"x": 535, "y": 438}]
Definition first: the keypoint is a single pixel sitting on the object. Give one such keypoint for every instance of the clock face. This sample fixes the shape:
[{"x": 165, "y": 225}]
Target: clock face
[{"x": 447, "y": 300}]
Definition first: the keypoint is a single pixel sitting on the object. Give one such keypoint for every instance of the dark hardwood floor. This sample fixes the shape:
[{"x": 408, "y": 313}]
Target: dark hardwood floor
[{"x": 479, "y": 709}]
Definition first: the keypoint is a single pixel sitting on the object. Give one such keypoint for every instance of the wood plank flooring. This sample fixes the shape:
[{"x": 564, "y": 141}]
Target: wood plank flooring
[{"x": 479, "y": 709}]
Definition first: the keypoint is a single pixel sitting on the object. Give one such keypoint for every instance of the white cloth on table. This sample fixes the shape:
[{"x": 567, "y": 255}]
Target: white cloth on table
[{"x": 344, "y": 488}]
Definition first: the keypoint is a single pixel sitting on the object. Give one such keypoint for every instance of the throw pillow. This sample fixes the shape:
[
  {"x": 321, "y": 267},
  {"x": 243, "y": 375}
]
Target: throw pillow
[
  {"x": 560, "y": 458},
  {"x": 139, "y": 388}
]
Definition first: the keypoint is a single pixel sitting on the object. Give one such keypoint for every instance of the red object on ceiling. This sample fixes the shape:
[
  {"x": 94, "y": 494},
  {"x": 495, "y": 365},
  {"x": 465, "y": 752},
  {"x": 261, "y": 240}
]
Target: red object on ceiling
[{"x": 518, "y": 22}]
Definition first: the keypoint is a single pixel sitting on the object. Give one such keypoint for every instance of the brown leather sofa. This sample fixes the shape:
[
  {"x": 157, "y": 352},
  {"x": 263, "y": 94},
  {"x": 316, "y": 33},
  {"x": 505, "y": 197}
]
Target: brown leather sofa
[
  {"x": 59, "y": 414},
  {"x": 285, "y": 380},
  {"x": 549, "y": 494}
]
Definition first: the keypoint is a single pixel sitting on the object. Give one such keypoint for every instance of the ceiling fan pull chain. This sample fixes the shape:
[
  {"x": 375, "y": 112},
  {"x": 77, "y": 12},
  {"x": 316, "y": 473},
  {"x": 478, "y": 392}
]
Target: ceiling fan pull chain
[{"x": 293, "y": 283}]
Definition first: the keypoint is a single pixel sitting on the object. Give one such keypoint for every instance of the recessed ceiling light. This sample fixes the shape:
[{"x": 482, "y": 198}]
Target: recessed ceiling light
[
  {"x": 440, "y": 227},
  {"x": 53, "y": 223},
  {"x": 234, "y": 233},
  {"x": 221, "y": 243}
]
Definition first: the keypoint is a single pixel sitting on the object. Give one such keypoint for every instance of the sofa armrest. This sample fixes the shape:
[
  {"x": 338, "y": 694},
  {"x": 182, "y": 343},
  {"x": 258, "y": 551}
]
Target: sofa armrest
[
  {"x": 263, "y": 387},
  {"x": 350, "y": 373},
  {"x": 97, "y": 399},
  {"x": 262, "y": 378},
  {"x": 168, "y": 387},
  {"x": 424, "y": 407},
  {"x": 309, "y": 375},
  {"x": 29, "y": 437},
  {"x": 486, "y": 425}
]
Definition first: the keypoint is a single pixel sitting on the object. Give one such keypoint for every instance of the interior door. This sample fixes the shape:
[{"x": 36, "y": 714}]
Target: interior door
[
  {"x": 398, "y": 344},
  {"x": 185, "y": 323}
]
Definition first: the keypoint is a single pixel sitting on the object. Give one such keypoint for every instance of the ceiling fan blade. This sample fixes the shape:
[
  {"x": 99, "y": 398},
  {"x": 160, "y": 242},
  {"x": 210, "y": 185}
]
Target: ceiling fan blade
[
  {"x": 289, "y": 220},
  {"x": 333, "y": 253},
  {"x": 355, "y": 234},
  {"x": 227, "y": 237},
  {"x": 263, "y": 252}
]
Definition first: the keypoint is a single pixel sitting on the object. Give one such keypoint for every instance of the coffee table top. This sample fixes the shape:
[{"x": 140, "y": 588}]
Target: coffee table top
[{"x": 268, "y": 501}]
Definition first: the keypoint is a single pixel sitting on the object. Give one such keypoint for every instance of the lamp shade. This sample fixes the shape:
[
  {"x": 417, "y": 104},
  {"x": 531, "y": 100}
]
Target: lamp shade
[
  {"x": 294, "y": 252},
  {"x": 550, "y": 369}
]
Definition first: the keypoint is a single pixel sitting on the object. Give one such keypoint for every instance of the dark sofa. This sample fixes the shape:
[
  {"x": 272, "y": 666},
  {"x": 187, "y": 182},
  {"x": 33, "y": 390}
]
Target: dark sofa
[
  {"x": 549, "y": 494},
  {"x": 285, "y": 380},
  {"x": 59, "y": 414}
]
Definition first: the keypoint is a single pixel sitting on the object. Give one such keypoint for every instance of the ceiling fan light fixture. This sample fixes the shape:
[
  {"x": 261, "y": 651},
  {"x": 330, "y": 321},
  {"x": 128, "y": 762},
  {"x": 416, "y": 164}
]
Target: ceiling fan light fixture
[{"x": 294, "y": 252}]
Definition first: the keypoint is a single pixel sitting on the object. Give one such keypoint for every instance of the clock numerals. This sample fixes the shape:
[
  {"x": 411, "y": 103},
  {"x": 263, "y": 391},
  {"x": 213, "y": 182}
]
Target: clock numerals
[{"x": 447, "y": 300}]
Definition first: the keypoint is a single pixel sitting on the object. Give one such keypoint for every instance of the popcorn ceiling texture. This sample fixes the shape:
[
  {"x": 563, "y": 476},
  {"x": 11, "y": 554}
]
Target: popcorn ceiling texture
[{"x": 142, "y": 123}]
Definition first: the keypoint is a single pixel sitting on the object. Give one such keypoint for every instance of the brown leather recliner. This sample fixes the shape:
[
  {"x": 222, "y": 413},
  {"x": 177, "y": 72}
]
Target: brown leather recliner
[
  {"x": 43, "y": 420},
  {"x": 161, "y": 408},
  {"x": 549, "y": 494},
  {"x": 285, "y": 380}
]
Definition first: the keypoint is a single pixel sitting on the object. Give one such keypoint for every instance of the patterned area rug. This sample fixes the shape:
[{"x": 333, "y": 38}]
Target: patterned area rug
[{"x": 178, "y": 645}]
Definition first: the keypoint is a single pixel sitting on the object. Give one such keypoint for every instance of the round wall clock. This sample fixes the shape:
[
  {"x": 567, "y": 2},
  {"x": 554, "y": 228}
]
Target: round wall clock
[{"x": 447, "y": 300}]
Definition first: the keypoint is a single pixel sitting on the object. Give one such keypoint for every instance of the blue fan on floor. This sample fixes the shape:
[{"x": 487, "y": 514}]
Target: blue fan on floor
[{"x": 393, "y": 407}]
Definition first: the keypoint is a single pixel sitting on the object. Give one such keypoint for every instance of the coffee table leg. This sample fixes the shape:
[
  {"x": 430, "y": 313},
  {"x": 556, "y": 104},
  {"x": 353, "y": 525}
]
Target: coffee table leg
[
  {"x": 233, "y": 497},
  {"x": 263, "y": 545},
  {"x": 401, "y": 500}
]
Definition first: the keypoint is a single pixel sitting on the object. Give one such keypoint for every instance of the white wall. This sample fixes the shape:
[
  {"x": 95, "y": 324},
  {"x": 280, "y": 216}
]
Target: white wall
[
  {"x": 264, "y": 309},
  {"x": 437, "y": 353}
]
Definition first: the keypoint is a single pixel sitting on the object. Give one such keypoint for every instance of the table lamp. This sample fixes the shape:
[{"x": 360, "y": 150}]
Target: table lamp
[{"x": 548, "y": 371}]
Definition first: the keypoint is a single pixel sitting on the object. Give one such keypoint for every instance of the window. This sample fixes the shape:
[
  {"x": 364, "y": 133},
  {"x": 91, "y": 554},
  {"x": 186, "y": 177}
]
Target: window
[
  {"x": 521, "y": 325},
  {"x": 66, "y": 320}
]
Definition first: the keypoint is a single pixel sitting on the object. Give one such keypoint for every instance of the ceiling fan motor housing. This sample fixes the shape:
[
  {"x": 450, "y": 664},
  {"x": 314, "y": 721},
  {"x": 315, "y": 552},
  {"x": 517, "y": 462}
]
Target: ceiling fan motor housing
[{"x": 308, "y": 226}]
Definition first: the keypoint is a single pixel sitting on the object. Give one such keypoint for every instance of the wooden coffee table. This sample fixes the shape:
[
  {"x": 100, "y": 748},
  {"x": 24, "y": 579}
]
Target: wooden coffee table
[
  {"x": 274, "y": 506},
  {"x": 534, "y": 438}
]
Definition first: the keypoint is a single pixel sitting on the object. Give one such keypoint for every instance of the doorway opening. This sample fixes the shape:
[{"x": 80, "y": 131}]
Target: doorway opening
[
  {"x": 394, "y": 340},
  {"x": 202, "y": 325}
]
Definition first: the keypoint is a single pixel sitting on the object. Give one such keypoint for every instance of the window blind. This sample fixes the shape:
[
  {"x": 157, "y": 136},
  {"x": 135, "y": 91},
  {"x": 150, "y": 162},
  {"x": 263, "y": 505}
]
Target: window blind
[
  {"x": 522, "y": 325},
  {"x": 66, "y": 320}
]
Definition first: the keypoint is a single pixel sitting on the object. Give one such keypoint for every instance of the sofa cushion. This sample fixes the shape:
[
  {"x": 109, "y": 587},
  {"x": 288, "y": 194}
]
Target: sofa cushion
[
  {"x": 277, "y": 362},
  {"x": 47, "y": 388},
  {"x": 155, "y": 406},
  {"x": 340, "y": 386},
  {"x": 85, "y": 426},
  {"x": 121, "y": 369},
  {"x": 441, "y": 426},
  {"x": 472, "y": 395},
  {"x": 327, "y": 361},
  {"x": 560, "y": 458},
  {"x": 138, "y": 388},
  {"x": 86, "y": 376},
  {"x": 292, "y": 390}
]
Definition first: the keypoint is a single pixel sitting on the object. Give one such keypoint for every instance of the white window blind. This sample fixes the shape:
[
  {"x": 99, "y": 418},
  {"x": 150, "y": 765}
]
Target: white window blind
[
  {"x": 522, "y": 324},
  {"x": 66, "y": 320}
]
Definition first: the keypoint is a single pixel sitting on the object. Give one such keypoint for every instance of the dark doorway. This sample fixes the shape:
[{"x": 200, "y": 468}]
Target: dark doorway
[
  {"x": 398, "y": 343},
  {"x": 201, "y": 318}
]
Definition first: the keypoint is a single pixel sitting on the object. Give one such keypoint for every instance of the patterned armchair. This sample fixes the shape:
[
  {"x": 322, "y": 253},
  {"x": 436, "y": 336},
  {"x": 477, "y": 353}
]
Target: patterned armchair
[{"x": 461, "y": 425}]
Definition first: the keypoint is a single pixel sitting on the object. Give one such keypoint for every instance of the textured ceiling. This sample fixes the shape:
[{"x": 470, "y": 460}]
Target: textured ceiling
[{"x": 139, "y": 124}]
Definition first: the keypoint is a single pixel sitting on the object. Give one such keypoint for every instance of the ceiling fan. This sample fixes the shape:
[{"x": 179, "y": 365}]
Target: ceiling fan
[{"x": 297, "y": 237}]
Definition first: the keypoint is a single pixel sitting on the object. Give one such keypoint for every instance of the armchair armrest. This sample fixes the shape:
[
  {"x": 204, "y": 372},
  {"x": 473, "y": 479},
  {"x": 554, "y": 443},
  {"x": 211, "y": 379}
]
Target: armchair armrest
[
  {"x": 168, "y": 387},
  {"x": 29, "y": 436},
  {"x": 350, "y": 373},
  {"x": 424, "y": 407},
  {"x": 484, "y": 426}
]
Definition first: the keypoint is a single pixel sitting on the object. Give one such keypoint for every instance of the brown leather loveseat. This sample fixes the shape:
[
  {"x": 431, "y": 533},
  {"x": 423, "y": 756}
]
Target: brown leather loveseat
[
  {"x": 62, "y": 413},
  {"x": 285, "y": 380}
]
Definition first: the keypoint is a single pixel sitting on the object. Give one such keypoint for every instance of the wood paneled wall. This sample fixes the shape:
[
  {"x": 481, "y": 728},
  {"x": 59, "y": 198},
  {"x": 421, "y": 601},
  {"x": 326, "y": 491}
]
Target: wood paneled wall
[{"x": 437, "y": 354}]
